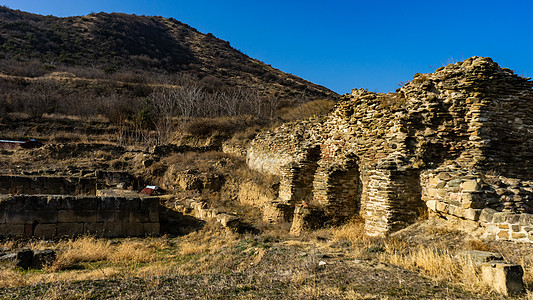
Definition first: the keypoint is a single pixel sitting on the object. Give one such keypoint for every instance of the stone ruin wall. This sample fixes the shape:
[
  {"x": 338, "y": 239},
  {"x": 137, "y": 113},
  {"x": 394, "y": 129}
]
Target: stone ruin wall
[
  {"x": 457, "y": 142},
  {"x": 60, "y": 216},
  {"x": 33, "y": 185},
  {"x": 59, "y": 206}
]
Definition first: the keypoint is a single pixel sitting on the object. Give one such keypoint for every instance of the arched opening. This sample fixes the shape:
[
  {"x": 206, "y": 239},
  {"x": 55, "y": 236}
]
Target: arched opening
[
  {"x": 304, "y": 175},
  {"x": 337, "y": 188}
]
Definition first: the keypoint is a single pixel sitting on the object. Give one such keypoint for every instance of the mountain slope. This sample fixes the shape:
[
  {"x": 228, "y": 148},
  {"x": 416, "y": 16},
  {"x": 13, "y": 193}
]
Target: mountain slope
[{"x": 147, "y": 45}]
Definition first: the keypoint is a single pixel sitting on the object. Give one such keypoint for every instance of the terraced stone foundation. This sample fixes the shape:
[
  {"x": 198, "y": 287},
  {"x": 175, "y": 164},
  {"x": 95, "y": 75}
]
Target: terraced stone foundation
[
  {"x": 64, "y": 206},
  {"x": 60, "y": 216}
]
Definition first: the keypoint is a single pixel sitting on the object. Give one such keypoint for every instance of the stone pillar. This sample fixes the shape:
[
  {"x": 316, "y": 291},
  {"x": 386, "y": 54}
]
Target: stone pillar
[{"x": 392, "y": 200}]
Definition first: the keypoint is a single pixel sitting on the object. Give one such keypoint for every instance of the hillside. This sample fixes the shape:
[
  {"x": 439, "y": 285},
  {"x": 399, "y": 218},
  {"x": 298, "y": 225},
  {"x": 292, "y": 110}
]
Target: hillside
[{"x": 138, "y": 48}]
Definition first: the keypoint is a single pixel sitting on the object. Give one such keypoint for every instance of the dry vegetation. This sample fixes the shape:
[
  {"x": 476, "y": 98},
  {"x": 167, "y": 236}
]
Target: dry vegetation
[
  {"x": 209, "y": 261},
  {"x": 108, "y": 118},
  {"x": 334, "y": 263}
]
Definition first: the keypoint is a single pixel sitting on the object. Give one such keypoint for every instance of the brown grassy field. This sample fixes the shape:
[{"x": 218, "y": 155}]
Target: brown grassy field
[{"x": 216, "y": 263}]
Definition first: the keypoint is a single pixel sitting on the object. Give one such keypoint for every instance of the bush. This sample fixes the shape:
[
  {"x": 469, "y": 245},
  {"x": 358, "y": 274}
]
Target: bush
[{"x": 223, "y": 125}]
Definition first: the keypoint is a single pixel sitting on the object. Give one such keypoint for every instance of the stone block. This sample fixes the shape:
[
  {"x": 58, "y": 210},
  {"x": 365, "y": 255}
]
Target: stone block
[
  {"x": 442, "y": 207},
  {"x": 138, "y": 217},
  {"x": 153, "y": 216},
  {"x": 17, "y": 203},
  {"x": 86, "y": 203},
  {"x": 149, "y": 203},
  {"x": 504, "y": 278},
  {"x": 11, "y": 229},
  {"x": 472, "y": 214},
  {"x": 513, "y": 218},
  {"x": 45, "y": 216},
  {"x": 432, "y": 193},
  {"x": 503, "y": 234},
  {"x": 133, "y": 229},
  {"x": 24, "y": 258},
  {"x": 432, "y": 205},
  {"x": 45, "y": 230},
  {"x": 18, "y": 217},
  {"x": 66, "y": 216},
  {"x": 105, "y": 216},
  {"x": 69, "y": 229},
  {"x": 86, "y": 216},
  {"x": 526, "y": 219},
  {"x": 151, "y": 228},
  {"x": 122, "y": 216},
  {"x": 67, "y": 202},
  {"x": 107, "y": 203},
  {"x": 500, "y": 217},
  {"x": 112, "y": 229},
  {"x": 93, "y": 228},
  {"x": 487, "y": 214},
  {"x": 227, "y": 220},
  {"x": 518, "y": 235},
  {"x": 480, "y": 257},
  {"x": 130, "y": 203},
  {"x": 52, "y": 202},
  {"x": 42, "y": 258},
  {"x": 470, "y": 185}
]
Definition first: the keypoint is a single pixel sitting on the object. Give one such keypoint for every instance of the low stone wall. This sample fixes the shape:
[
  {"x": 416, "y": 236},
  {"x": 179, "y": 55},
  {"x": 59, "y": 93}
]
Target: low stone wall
[
  {"x": 201, "y": 211},
  {"x": 507, "y": 226},
  {"x": 58, "y": 216},
  {"x": 499, "y": 204},
  {"x": 50, "y": 185}
]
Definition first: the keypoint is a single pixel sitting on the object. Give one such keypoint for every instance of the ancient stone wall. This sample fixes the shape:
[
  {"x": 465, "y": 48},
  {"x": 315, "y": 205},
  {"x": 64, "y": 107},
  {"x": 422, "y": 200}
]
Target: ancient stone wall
[
  {"x": 457, "y": 141},
  {"x": 58, "y": 216},
  {"x": 52, "y": 185},
  {"x": 109, "y": 179}
]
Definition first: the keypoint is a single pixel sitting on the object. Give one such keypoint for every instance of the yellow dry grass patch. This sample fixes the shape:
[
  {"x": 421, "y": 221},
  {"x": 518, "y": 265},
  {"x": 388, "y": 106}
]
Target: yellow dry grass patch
[
  {"x": 84, "y": 249},
  {"x": 207, "y": 240}
]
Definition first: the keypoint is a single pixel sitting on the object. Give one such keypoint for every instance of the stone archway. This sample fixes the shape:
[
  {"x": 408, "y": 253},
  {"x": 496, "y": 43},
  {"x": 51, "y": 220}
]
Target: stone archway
[
  {"x": 337, "y": 189},
  {"x": 303, "y": 177}
]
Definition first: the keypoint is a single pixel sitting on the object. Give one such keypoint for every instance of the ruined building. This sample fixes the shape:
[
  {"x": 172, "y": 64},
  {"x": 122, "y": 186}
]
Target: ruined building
[{"x": 458, "y": 142}]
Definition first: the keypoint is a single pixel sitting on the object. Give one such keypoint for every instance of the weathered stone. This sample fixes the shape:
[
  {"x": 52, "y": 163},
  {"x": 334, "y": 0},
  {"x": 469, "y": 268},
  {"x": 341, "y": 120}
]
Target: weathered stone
[
  {"x": 480, "y": 257},
  {"x": 45, "y": 230},
  {"x": 503, "y": 234},
  {"x": 66, "y": 216},
  {"x": 504, "y": 278},
  {"x": 24, "y": 258},
  {"x": 432, "y": 205},
  {"x": 470, "y": 185},
  {"x": 472, "y": 214},
  {"x": 487, "y": 214},
  {"x": 69, "y": 229},
  {"x": 43, "y": 258}
]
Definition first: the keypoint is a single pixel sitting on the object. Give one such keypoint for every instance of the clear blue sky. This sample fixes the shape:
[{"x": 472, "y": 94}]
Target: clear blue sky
[{"x": 344, "y": 44}]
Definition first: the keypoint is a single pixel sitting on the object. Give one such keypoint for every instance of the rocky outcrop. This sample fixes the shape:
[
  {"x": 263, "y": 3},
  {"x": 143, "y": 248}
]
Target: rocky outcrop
[{"x": 457, "y": 141}]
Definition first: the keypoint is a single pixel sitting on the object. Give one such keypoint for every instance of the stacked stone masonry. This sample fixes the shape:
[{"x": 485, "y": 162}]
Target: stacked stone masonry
[
  {"x": 458, "y": 142},
  {"x": 59, "y": 216},
  {"x": 52, "y": 185}
]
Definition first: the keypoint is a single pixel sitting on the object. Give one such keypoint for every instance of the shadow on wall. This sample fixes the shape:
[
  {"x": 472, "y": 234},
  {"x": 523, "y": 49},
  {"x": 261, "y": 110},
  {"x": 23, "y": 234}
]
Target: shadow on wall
[{"x": 177, "y": 224}]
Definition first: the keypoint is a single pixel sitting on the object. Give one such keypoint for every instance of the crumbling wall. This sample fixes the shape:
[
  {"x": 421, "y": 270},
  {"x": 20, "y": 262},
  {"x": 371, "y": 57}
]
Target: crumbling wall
[
  {"x": 58, "y": 216},
  {"x": 52, "y": 185},
  {"x": 459, "y": 140}
]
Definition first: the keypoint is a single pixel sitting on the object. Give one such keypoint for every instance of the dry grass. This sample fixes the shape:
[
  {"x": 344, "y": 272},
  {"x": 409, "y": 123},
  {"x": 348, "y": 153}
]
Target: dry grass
[
  {"x": 84, "y": 249},
  {"x": 213, "y": 250},
  {"x": 306, "y": 110},
  {"x": 207, "y": 240},
  {"x": 434, "y": 260}
]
